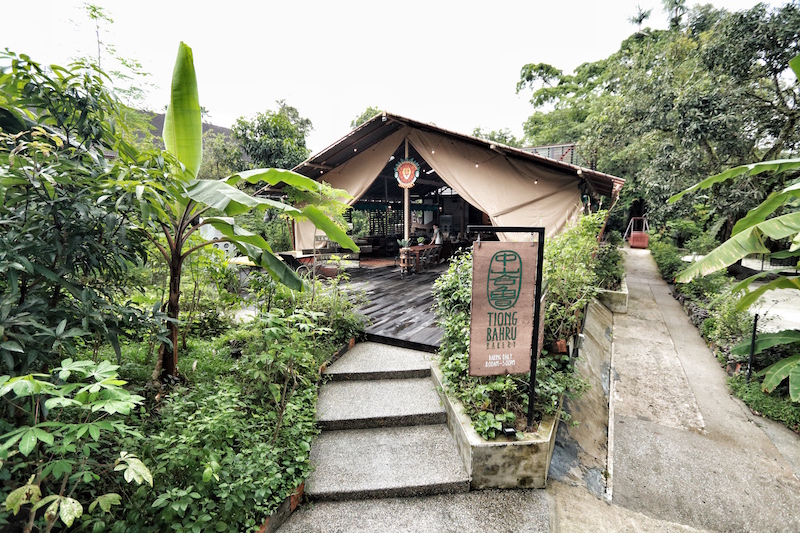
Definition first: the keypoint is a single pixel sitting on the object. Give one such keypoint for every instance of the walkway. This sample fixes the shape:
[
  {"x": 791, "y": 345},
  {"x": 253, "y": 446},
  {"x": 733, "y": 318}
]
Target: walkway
[
  {"x": 400, "y": 308},
  {"x": 685, "y": 450}
]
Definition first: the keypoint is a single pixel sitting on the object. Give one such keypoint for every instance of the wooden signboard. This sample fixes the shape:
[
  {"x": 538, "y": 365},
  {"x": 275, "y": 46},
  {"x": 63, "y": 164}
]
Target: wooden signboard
[{"x": 503, "y": 297}]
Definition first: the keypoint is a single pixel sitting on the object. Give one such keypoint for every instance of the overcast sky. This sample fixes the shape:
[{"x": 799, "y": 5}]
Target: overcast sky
[{"x": 455, "y": 64}]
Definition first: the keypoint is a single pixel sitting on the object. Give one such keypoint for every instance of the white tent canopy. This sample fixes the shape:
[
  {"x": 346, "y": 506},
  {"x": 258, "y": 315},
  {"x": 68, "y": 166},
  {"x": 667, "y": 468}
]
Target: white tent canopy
[{"x": 513, "y": 187}]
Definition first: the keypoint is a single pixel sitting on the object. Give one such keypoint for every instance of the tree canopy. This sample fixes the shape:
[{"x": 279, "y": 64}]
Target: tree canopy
[
  {"x": 368, "y": 113},
  {"x": 274, "y": 138},
  {"x": 670, "y": 107}
]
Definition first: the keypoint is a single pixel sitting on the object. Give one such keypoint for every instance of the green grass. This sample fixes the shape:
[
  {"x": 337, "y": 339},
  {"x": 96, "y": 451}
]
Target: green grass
[{"x": 776, "y": 405}]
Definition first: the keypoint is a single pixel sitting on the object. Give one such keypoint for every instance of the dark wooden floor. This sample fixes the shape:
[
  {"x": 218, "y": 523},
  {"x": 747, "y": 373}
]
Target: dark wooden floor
[{"x": 399, "y": 308}]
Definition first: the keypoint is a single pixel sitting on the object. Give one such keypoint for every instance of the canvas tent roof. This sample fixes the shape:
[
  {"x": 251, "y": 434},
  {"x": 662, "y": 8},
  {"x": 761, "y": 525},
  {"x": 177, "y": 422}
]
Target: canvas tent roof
[{"x": 514, "y": 187}]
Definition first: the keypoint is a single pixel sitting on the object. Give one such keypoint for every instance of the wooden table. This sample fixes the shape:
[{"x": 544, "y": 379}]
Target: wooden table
[{"x": 416, "y": 250}]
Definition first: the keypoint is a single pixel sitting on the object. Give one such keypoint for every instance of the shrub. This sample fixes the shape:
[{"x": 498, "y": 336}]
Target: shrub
[
  {"x": 570, "y": 276},
  {"x": 60, "y": 439},
  {"x": 775, "y": 405},
  {"x": 667, "y": 258},
  {"x": 608, "y": 267},
  {"x": 490, "y": 401}
]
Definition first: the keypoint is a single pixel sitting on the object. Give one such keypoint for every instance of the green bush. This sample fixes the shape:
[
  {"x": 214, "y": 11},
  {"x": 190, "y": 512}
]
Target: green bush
[
  {"x": 494, "y": 400},
  {"x": 60, "y": 448},
  {"x": 608, "y": 267},
  {"x": 682, "y": 231},
  {"x": 702, "y": 244},
  {"x": 667, "y": 258},
  {"x": 222, "y": 462},
  {"x": 569, "y": 274}
]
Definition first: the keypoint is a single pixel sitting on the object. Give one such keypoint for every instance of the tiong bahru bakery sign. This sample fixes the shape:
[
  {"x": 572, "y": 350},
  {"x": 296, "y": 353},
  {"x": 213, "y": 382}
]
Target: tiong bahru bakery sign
[{"x": 504, "y": 287}]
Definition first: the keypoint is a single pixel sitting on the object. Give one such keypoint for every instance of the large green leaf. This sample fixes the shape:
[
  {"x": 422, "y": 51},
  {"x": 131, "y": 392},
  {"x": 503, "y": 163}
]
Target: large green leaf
[
  {"x": 749, "y": 241},
  {"x": 794, "y": 383},
  {"x": 183, "y": 127},
  {"x": 229, "y": 199},
  {"x": 767, "y": 340},
  {"x": 274, "y": 176},
  {"x": 750, "y": 297},
  {"x": 259, "y": 251},
  {"x": 760, "y": 213},
  {"x": 334, "y": 232},
  {"x": 776, "y": 373},
  {"x": 779, "y": 165}
]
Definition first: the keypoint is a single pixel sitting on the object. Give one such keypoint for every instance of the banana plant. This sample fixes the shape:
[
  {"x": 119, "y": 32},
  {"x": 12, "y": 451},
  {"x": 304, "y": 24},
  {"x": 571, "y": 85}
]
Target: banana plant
[
  {"x": 748, "y": 237},
  {"x": 173, "y": 202}
]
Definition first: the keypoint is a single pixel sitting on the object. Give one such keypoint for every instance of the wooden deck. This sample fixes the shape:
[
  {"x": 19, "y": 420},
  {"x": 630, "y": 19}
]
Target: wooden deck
[{"x": 399, "y": 308}]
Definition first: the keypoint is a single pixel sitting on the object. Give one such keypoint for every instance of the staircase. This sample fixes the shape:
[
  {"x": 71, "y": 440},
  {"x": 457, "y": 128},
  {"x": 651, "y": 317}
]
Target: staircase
[{"x": 384, "y": 430}]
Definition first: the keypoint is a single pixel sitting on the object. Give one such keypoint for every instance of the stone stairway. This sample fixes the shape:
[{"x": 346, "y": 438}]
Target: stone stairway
[{"x": 384, "y": 430}]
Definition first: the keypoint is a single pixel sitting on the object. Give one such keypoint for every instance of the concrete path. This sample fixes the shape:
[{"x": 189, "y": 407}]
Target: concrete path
[{"x": 685, "y": 451}]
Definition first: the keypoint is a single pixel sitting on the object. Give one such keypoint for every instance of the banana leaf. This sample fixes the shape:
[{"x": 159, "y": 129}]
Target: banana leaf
[
  {"x": 760, "y": 213},
  {"x": 750, "y": 297},
  {"x": 776, "y": 373},
  {"x": 767, "y": 340},
  {"x": 778, "y": 165},
  {"x": 259, "y": 251},
  {"x": 274, "y": 176},
  {"x": 328, "y": 226},
  {"x": 229, "y": 199},
  {"x": 183, "y": 127},
  {"x": 749, "y": 241}
]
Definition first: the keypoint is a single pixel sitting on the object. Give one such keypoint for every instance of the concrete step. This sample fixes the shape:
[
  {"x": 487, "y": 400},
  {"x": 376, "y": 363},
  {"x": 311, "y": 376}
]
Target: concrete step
[
  {"x": 379, "y": 403},
  {"x": 385, "y": 463},
  {"x": 371, "y": 360},
  {"x": 520, "y": 511}
]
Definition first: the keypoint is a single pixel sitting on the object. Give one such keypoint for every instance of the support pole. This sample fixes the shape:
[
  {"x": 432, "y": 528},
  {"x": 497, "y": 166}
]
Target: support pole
[
  {"x": 752, "y": 348},
  {"x": 406, "y": 209}
]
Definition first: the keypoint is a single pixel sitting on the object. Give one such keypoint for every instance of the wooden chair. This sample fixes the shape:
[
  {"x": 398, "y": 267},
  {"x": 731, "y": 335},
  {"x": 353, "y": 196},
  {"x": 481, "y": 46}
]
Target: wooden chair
[{"x": 425, "y": 259}]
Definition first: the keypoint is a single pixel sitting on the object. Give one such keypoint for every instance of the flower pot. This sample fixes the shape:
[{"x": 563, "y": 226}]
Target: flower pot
[{"x": 559, "y": 346}]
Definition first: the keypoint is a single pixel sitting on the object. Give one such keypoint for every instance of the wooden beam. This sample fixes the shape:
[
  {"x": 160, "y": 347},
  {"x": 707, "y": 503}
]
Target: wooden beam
[{"x": 315, "y": 165}]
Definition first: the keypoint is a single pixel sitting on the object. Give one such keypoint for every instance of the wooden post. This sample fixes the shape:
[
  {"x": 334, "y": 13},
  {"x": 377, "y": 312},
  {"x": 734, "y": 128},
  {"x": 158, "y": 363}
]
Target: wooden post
[{"x": 406, "y": 208}]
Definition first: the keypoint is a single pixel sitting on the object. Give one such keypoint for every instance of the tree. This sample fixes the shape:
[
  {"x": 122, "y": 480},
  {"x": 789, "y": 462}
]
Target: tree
[
  {"x": 222, "y": 156},
  {"x": 640, "y": 16},
  {"x": 68, "y": 235},
  {"x": 368, "y": 113},
  {"x": 503, "y": 136},
  {"x": 173, "y": 201},
  {"x": 675, "y": 9},
  {"x": 668, "y": 107},
  {"x": 129, "y": 81},
  {"x": 749, "y": 236},
  {"x": 274, "y": 138}
]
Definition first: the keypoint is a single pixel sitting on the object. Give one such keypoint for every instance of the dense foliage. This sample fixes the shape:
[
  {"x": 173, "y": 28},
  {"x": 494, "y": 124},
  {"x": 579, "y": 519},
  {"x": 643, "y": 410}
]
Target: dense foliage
[
  {"x": 274, "y": 138},
  {"x": 571, "y": 281},
  {"x": 569, "y": 272},
  {"x": 228, "y": 442},
  {"x": 674, "y": 105},
  {"x": 68, "y": 238}
]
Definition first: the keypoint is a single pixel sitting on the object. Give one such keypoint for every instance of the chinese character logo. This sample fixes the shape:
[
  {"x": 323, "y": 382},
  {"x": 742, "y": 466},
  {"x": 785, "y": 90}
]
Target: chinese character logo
[{"x": 504, "y": 281}]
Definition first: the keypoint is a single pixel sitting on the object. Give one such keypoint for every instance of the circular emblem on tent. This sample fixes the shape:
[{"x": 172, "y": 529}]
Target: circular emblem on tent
[{"x": 406, "y": 172}]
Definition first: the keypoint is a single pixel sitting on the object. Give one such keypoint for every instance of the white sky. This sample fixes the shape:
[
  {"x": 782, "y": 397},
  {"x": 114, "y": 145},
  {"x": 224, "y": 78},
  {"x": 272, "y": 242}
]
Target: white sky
[{"x": 453, "y": 63}]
